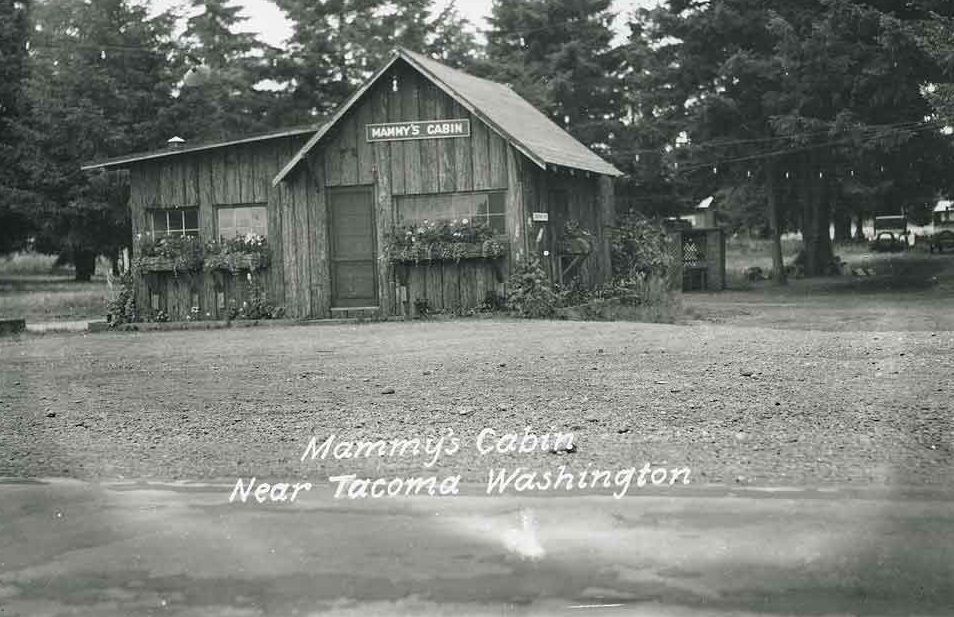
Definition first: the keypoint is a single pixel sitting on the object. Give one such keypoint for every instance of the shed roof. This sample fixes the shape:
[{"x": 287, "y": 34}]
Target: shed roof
[
  {"x": 122, "y": 161},
  {"x": 523, "y": 125}
]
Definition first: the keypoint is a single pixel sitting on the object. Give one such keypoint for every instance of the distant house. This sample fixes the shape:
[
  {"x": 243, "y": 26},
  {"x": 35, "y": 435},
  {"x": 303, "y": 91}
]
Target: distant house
[{"x": 419, "y": 141}]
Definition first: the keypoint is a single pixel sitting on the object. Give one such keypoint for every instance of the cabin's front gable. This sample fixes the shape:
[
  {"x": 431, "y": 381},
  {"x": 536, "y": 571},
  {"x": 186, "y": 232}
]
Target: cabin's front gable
[{"x": 477, "y": 176}]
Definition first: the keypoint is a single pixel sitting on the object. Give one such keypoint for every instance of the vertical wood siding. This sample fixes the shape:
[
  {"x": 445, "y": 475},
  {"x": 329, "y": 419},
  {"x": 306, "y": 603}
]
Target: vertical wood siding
[
  {"x": 414, "y": 167},
  {"x": 235, "y": 175}
]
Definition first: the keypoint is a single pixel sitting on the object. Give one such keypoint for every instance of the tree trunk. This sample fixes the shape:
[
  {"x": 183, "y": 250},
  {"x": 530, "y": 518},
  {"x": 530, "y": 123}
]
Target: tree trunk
[
  {"x": 860, "y": 228},
  {"x": 817, "y": 237},
  {"x": 85, "y": 264},
  {"x": 842, "y": 227},
  {"x": 778, "y": 264},
  {"x": 114, "y": 262}
]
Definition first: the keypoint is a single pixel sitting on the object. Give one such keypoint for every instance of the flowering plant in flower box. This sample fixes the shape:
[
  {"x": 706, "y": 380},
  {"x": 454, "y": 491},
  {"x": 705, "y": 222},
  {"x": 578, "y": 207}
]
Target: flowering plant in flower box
[
  {"x": 248, "y": 252},
  {"x": 444, "y": 241},
  {"x": 178, "y": 254}
]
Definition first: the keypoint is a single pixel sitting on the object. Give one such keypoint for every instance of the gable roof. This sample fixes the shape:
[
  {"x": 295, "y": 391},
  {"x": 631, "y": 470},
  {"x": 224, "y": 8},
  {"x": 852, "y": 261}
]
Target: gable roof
[
  {"x": 513, "y": 118},
  {"x": 122, "y": 161}
]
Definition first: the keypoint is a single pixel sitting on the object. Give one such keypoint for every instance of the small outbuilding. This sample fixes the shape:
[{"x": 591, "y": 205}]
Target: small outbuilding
[{"x": 423, "y": 189}]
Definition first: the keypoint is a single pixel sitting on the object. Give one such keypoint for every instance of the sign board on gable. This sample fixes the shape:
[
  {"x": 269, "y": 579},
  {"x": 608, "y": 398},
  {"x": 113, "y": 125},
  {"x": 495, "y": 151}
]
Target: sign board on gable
[
  {"x": 541, "y": 217},
  {"x": 427, "y": 129}
]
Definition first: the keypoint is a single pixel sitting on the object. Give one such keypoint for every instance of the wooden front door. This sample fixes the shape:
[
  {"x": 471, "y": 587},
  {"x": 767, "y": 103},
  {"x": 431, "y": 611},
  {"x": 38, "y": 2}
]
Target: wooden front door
[{"x": 353, "y": 267}]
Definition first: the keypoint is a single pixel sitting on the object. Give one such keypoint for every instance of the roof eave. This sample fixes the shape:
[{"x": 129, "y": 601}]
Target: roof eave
[{"x": 158, "y": 154}]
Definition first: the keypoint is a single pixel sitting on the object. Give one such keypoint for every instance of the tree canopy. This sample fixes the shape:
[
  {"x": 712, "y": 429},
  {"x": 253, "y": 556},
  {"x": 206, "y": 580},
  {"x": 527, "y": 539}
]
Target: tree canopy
[
  {"x": 816, "y": 106},
  {"x": 793, "y": 114}
]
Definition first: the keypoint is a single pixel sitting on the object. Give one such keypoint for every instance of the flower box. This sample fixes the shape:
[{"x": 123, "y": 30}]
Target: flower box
[
  {"x": 448, "y": 251},
  {"x": 235, "y": 262},
  {"x": 157, "y": 263}
]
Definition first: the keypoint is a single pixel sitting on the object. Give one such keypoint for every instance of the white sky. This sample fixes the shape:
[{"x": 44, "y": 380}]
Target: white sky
[{"x": 269, "y": 22}]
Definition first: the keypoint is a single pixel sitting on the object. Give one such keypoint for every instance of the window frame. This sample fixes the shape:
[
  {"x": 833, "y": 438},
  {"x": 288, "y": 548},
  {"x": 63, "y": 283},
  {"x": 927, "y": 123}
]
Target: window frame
[
  {"x": 487, "y": 217},
  {"x": 169, "y": 231},
  {"x": 218, "y": 208}
]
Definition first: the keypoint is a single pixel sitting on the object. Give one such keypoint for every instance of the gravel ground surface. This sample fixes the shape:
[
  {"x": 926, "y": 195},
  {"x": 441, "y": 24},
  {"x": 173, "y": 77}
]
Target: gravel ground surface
[{"x": 735, "y": 403}]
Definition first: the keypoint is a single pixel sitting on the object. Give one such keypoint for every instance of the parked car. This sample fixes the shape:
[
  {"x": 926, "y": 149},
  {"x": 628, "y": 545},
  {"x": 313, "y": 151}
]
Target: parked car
[
  {"x": 891, "y": 233},
  {"x": 942, "y": 237},
  {"x": 889, "y": 242}
]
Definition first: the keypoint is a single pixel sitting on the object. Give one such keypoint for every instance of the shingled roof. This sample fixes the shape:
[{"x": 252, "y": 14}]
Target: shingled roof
[{"x": 517, "y": 121}]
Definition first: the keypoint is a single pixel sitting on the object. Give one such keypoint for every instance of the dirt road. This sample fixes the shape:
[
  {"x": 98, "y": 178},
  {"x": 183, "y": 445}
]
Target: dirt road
[
  {"x": 739, "y": 405},
  {"x": 131, "y": 549}
]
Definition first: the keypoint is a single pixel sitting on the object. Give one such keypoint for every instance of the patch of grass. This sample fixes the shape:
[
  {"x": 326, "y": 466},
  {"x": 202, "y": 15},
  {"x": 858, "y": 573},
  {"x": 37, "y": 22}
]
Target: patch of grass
[
  {"x": 742, "y": 253},
  {"x": 51, "y": 298},
  {"x": 39, "y": 264},
  {"x": 34, "y": 288},
  {"x": 28, "y": 263}
]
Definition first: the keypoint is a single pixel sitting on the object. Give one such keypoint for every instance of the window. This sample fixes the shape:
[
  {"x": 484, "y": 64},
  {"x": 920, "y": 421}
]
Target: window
[
  {"x": 484, "y": 207},
  {"x": 178, "y": 222},
  {"x": 242, "y": 220}
]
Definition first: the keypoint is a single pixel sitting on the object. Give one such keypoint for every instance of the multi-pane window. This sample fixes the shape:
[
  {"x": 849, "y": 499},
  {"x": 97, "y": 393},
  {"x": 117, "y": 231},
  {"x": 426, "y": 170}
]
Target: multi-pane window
[
  {"x": 483, "y": 207},
  {"x": 173, "y": 222},
  {"x": 242, "y": 220}
]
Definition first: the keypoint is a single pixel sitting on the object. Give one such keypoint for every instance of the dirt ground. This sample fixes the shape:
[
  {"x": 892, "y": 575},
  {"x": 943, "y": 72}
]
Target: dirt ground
[{"x": 847, "y": 385}]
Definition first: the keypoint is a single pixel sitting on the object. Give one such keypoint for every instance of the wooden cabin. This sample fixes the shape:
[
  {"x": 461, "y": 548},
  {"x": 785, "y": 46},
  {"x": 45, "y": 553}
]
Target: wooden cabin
[{"x": 419, "y": 143}]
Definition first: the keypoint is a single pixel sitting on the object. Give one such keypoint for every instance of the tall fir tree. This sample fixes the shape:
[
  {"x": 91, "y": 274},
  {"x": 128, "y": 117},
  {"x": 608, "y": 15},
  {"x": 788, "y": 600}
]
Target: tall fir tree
[
  {"x": 812, "y": 108},
  {"x": 337, "y": 44},
  {"x": 452, "y": 40},
  {"x": 558, "y": 54},
  {"x": 218, "y": 98},
  {"x": 100, "y": 85},
  {"x": 17, "y": 199}
]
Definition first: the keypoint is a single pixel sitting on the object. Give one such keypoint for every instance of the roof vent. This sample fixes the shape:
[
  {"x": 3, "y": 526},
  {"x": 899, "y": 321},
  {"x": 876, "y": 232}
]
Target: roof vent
[{"x": 175, "y": 143}]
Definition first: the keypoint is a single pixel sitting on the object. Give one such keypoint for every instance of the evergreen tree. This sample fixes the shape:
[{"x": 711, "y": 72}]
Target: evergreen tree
[
  {"x": 100, "y": 85},
  {"x": 218, "y": 99},
  {"x": 337, "y": 44},
  {"x": 452, "y": 41},
  {"x": 17, "y": 200},
  {"x": 936, "y": 37},
  {"x": 813, "y": 108},
  {"x": 558, "y": 55}
]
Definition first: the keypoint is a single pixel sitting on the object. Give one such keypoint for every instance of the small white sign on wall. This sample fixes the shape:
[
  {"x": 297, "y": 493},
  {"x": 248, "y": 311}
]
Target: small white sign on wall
[{"x": 541, "y": 217}]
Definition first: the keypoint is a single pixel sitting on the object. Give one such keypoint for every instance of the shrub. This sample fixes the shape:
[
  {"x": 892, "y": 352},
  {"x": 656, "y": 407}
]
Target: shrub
[
  {"x": 531, "y": 293},
  {"x": 639, "y": 245},
  {"x": 640, "y": 298},
  {"x": 121, "y": 308},
  {"x": 493, "y": 302},
  {"x": 257, "y": 306},
  {"x": 422, "y": 308}
]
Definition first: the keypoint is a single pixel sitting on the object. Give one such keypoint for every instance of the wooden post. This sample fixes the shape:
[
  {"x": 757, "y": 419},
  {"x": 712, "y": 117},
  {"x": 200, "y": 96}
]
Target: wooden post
[{"x": 607, "y": 219}]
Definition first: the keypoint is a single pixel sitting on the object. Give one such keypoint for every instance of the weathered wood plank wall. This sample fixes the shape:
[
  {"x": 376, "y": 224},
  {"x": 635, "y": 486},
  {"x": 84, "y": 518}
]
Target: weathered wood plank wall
[
  {"x": 448, "y": 286},
  {"x": 414, "y": 167},
  {"x": 482, "y": 161},
  {"x": 235, "y": 175},
  {"x": 565, "y": 196}
]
